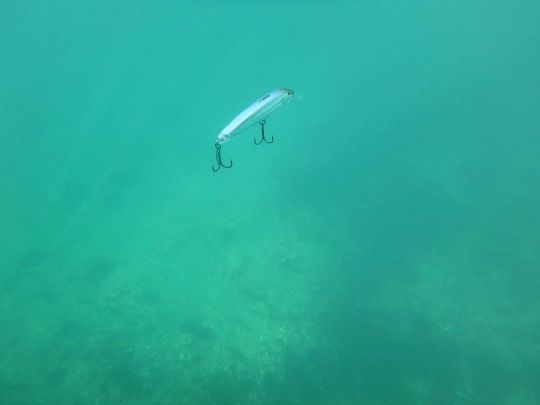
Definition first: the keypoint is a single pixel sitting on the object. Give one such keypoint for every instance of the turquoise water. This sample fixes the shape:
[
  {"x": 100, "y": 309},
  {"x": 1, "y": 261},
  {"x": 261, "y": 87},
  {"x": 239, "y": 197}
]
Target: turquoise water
[{"x": 383, "y": 250}]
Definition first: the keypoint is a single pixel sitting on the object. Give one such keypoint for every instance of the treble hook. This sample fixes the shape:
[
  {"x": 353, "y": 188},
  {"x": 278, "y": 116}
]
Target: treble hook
[
  {"x": 218, "y": 159},
  {"x": 262, "y": 135}
]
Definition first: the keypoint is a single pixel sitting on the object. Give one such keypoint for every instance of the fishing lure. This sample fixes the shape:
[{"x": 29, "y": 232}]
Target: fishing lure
[{"x": 256, "y": 113}]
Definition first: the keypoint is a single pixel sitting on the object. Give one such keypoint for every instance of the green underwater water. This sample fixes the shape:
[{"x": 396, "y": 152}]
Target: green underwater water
[{"x": 383, "y": 250}]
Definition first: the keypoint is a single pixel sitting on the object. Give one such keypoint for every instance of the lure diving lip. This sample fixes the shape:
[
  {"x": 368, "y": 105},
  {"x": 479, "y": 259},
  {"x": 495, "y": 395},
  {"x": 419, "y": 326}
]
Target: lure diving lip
[{"x": 255, "y": 113}]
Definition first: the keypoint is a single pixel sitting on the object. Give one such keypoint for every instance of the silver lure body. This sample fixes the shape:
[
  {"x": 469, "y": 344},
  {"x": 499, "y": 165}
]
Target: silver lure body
[{"x": 255, "y": 113}]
